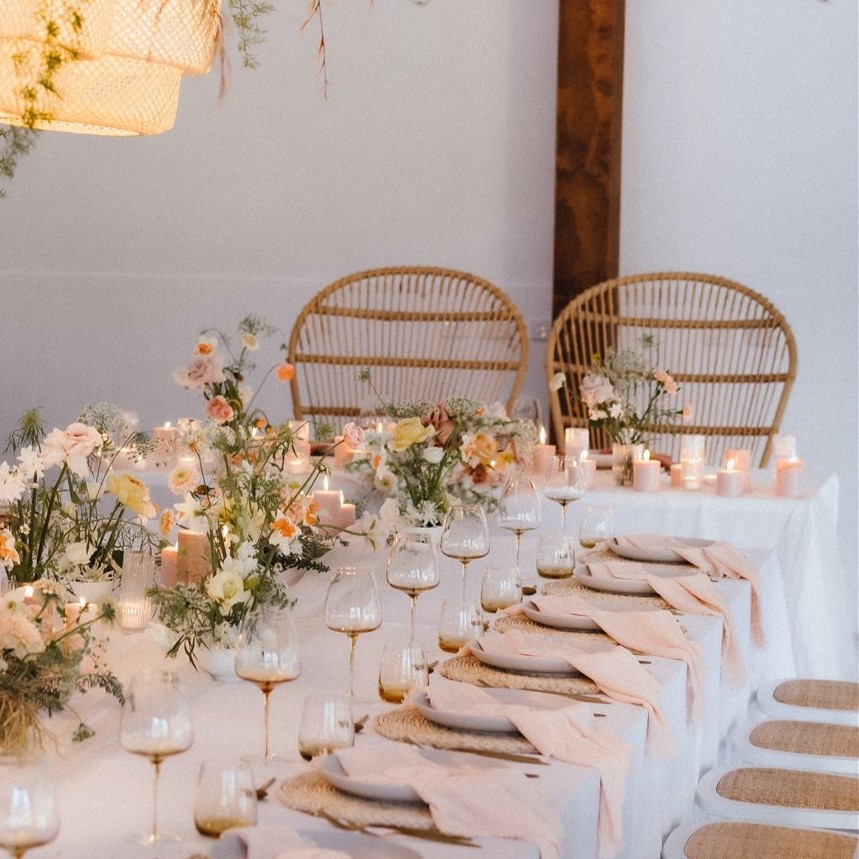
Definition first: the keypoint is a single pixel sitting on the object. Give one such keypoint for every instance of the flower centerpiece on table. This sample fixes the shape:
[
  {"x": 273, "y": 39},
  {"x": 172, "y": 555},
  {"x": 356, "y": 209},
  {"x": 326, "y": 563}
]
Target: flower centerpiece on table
[
  {"x": 255, "y": 520},
  {"x": 427, "y": 456},
  {"x": 68, "y": 515},
  {"x": 47, "y": 653},
  {"x": 624, "y": 395}
]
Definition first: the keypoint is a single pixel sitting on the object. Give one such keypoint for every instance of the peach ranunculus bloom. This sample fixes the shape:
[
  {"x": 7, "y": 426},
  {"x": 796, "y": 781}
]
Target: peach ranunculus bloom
[
  {"x": 203, "y": 370},
  {"x": 285, "y": 372},
  {"x": 667, "y": 382},
  {"x": 479, "y": 448},
  {"x": 407, "y": 432},
  {"x": 167, "y": 522},
  {"x": 8, "y": 553},
  {"x": 132, "y": 493},
  {"x": 219, "y": 410},
  {"x": 688, "y": 413},
  {"x": 439, "y": 419},
  {"x": 72, "y": 446}
]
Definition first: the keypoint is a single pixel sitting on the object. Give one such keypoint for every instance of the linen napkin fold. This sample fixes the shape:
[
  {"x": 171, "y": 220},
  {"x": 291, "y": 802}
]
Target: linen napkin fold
[
  {"x": 626, "y": 570},
  {"x": 615, "y": 671},
  {"x": 655, "y": 632},
  {"x": 566, "y": 734},
  {"x": 698, "y": 595},
  {"x": 468, "y": 800},
  {"x": 725, "y": 560}
]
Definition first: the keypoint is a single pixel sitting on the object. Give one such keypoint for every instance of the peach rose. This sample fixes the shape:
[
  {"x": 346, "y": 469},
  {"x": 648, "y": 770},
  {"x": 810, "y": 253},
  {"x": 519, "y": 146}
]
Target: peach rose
[
  {"x": 72, "y": 446},
  {"x": 219, "y": 410}
]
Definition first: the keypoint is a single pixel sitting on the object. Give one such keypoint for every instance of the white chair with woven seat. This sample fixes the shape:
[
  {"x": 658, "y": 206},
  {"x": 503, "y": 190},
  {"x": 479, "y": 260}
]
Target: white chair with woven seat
[
  {"x": 815, "y": 746},
  {"x": 810, "y": 700},
  {"x": 424, "y": 333},
  {"x": 781, "y": 797},
  {"x": 731, "y": 351},
  {"x": 736, "y": 839}
]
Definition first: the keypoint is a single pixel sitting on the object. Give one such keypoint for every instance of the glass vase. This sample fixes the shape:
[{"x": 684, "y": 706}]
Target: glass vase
[{"x": 622, "y": 457}]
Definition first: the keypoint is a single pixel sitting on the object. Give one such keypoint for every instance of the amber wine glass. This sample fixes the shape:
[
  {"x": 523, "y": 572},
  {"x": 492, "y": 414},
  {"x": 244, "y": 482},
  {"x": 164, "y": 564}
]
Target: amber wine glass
[{"x": 465, "y": 536}]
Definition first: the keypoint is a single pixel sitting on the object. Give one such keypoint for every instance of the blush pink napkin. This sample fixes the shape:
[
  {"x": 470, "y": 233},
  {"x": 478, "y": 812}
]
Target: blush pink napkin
[
  {"x": 565, "y": 733},
  {"x": 495, "y": 801},
  {"x": 615, "y": 671},
  {"x": 655, "y": 632},
  {"x": 718, "y": 559}
]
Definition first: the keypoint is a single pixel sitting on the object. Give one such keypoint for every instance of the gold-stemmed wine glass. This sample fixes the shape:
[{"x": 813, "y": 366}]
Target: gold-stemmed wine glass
[
  {"x": 28, "y": 806},
  {"x": 267, "y": 655},
  {"x": 413, "y": 568},
  {"x": 465, "y": 536},
  {"x": 519, "y": 508},
  {"x": 352, "y": 607},
  {"x": 563, "y": 484},
  {"x": 156, "y": 723}
]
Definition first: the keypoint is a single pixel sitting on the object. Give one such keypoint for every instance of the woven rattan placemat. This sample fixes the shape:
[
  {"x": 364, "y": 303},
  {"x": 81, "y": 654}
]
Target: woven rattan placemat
[
  {"x": 790, "y": 788},
  {"x": 407, "y": 725},
  {"x": 312, "y": 793},
  {"x": 467, "y": 669},
  {"x": 573, "y": 586},
  {"x": 807, "y": 738},
  {"x": 520, "y": 621},
  {"x": 734, "y": 840},
  {"x": 827, "y": 694}
]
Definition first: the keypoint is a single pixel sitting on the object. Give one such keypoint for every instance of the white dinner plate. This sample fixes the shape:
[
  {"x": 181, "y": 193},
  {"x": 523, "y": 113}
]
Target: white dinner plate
[
  {"x": 578, "y": 623},
  {"x": 485, "y": 723},
  {"x": 656, "y": 554},
  {"x": 633, "y": 587},
  {"x": 331, "y": 767},
  {"x": 536, "y": 664},
  {"x": 603, "y": 460},
  {"x": 463, "y": 721}
]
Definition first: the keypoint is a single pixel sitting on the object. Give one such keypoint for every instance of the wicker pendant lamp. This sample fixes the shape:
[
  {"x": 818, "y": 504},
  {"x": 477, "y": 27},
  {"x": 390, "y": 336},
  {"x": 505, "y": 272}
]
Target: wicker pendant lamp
[{"x": 120, "y": 67}]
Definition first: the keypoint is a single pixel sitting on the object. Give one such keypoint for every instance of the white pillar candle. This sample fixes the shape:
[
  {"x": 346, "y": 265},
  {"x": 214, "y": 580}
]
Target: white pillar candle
[
  {"x": 576, "y": 441},
  {"x": 589, "y": 471},
  {"x": 742, "y": 463},
  {"x": 729, "y": 481},
  {"x": 645, "y": 474},
  {"x": 788, "y": 477}
]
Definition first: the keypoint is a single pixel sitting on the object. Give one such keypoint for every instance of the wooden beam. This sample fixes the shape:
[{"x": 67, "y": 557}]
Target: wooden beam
[{"x": 587, "y": 190}]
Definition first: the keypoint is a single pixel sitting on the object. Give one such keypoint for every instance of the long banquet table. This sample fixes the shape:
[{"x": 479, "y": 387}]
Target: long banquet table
[{"x": 105, "y": 793}]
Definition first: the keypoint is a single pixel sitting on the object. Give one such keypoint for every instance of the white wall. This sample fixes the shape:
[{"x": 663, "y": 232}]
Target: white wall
[
  {"x": 436, "y": 145},
  {"x": 740, "y": 159}
]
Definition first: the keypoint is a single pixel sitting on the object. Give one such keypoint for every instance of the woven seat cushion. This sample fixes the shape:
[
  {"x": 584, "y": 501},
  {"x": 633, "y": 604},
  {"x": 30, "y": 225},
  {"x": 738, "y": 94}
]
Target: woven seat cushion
[
  {"x": 790, "y": 789},
  {"x": 734, "y": 840},
  {"x": 807, "y": 738},
  {"x": 825, "y": 694}
]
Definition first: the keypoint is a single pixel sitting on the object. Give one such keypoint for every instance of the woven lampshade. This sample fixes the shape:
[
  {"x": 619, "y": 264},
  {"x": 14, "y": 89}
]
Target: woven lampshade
[
  {"x": 135, "y": 52},
  {"x": 111, "y": 95}
]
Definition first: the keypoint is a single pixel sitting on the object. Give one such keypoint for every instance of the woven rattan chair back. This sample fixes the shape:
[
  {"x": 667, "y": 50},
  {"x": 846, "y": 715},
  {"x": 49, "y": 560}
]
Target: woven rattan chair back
[
  {"x": 731, "y": 351},
  {"x": 424, "y": 333}
]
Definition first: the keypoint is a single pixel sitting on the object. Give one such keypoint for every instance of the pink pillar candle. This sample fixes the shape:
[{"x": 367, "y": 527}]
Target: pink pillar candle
[
  {"x": 676, "y": 475},
  {"x": 788, "y": 477},
  {"x": 347, "y": 515},
  {"x": 729, "y": 481},
  {"x": 193, "y": 560},
  {"x": 343, "y": 451},
  {"x": 542, "y": 456},
  {"x": 742, "y": 463},
  {"x": 328, "y": 503},
  {"x": 169, "y": 568},
  {"x": 645, "y": 475}
]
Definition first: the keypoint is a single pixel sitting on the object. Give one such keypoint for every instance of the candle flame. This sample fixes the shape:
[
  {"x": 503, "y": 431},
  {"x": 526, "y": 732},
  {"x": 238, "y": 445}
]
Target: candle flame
[
  {"x": 730, "y": 465},
  {"x": 646, "y": 456},
  {"x": 325, "y": 483},
  {"x": 166, "y": 424},
  {"x": 542, "y": 435},
  {"x": 28, "y": 590}
]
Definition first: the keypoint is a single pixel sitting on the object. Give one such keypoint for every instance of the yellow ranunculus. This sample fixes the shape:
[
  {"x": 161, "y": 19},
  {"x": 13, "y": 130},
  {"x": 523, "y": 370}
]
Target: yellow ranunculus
[
  {"x": 132, "y": 493},
  {"x": 407, "y": 432}
]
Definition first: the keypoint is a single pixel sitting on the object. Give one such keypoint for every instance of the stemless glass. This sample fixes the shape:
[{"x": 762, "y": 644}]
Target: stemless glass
[
  {"x": 555, "y": 557},
  {"x": 225, "y": 798},
  {"x": 413, "y": 568},
  {"x": 403, "y": 668},
  {"x": 500, "y": 587},
  {"x": 563, "y": 484},
  {"x": 352, "y": 607},
  {"x": 156, "y": 723},
  {"x": 465, "y": 536},
  {"x": 519, "y": 508},
  {"x": 28, "y": 807},
  {"x": 460, "y": 623},
  {"x": 267, "y": 655},
  {"x": 326, "y": 725},
  {"x": 596, "y": 526}
]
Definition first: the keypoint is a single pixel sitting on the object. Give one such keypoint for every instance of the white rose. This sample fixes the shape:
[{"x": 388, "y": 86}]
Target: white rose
[
  {"x": 227, "y": 588},
  {"x": 595, "y": 389},
  {"x": 433, "y": 455},
  {"x": 78, "y": 554}
]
